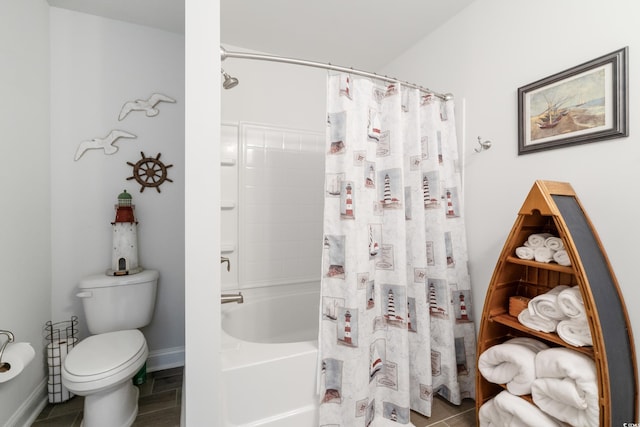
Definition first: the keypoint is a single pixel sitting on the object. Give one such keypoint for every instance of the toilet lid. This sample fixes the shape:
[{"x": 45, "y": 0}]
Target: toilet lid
[
  {"x": 103, "y": 280},
  {"x": 102, "y": 353}
]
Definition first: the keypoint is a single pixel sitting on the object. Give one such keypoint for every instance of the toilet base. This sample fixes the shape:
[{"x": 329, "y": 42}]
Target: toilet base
[{"x": 115, "y": 407}]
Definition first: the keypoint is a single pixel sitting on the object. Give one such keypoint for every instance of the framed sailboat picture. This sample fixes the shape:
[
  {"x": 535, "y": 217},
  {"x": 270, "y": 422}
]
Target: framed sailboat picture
[{"x": 583, "y": 104}]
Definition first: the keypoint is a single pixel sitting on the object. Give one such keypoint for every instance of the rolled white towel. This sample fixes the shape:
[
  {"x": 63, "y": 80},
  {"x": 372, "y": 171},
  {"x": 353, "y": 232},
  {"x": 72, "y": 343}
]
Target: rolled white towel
[
  {"x": 537, "y": 240},
  {"x": 566, "y": 387},
  {"x": 575, "y": 332},
  {"x": 546, "y": 305},
  {"x": 514, "y": 411},
  {"x": 562, "y": 258},
  {"x": 524, "y": 252},
  {"x": 489, "y": 415},
  {"x": 543, "y": 254},
  {"x": 554, "y": 243},
  {"x": 511, "y": 363},
  {"x": 571, "y": 303},
  {"x": 536, "y": 323}
]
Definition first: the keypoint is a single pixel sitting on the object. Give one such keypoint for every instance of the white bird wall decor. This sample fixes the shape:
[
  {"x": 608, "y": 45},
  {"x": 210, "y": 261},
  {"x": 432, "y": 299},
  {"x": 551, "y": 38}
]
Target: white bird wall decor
[
  {"x": 146, "y": 105},
  {"x": 105, "y": 143}
]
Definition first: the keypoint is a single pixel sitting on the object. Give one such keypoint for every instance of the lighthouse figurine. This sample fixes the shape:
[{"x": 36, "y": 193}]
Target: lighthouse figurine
[{"x": 124, "y": 258}]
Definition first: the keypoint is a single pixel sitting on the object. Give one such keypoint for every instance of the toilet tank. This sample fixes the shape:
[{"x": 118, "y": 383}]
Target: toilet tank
[{"x": 115, "y": 303}]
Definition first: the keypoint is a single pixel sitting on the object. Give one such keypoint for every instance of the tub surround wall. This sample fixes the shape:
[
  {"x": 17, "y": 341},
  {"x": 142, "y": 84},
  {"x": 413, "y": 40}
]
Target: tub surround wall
[
  {"x": 279, "y": 193},
  {"x": 281, "y": 200},
  {"x": 229, "y": 208},
  {"x": 97, "y": 65}
]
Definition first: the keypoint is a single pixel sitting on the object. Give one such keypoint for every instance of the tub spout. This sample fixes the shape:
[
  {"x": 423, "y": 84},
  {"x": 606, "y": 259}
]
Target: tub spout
[{"x": 226, "y": 298}]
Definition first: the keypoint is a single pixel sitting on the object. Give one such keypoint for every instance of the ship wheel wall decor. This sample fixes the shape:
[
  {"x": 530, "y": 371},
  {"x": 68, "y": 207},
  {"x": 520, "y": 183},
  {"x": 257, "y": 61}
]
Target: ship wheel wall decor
[{"x": 150, "y": 172}]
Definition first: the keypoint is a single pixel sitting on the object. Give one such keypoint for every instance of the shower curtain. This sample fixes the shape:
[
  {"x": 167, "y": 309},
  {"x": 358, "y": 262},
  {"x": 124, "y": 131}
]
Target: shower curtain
[{"x": 396, "y": 322}]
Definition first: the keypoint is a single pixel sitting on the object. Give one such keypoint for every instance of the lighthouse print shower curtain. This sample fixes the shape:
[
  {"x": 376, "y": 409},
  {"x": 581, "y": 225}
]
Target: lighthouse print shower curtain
[{"x": 396, "y": 322}]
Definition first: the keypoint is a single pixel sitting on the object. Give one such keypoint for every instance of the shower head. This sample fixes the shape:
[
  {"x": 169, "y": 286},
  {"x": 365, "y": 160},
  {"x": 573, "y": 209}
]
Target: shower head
[{"x": 229, "y": 81}]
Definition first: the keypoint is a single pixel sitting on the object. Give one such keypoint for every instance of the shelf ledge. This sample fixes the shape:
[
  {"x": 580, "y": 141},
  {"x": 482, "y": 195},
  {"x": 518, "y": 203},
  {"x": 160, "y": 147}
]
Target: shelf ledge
[
  {"x": 543, "y": 265},
  {"x": 512, "y": 322}
]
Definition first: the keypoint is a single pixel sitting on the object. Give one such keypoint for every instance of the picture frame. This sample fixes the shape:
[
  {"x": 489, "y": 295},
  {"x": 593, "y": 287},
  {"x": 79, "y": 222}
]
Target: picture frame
[{"x": 583, "y": 104}]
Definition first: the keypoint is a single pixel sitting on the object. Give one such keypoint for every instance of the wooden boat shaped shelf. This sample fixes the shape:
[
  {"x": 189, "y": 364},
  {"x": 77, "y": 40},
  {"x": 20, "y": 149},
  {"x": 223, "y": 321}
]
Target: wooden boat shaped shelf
[{"x": 553, "y": 207}]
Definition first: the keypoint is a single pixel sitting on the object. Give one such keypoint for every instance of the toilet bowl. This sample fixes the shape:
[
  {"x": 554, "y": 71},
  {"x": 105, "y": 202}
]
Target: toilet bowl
[{"x": 101, "y": 368}]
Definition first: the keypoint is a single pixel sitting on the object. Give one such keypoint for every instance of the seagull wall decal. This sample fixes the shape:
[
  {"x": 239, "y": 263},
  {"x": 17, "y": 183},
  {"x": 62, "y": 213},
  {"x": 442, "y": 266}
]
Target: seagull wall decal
[
  {"x": 146, "y": 105},
  {"x": 105, "y": 143}
]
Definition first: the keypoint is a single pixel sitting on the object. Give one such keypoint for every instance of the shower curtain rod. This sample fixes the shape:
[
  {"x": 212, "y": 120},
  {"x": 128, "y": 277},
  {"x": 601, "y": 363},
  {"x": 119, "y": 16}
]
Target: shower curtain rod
[{"x": 224, "y": 54}]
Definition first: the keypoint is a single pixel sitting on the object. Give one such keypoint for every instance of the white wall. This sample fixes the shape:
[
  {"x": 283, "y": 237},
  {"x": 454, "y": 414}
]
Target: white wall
[
  {"x": 272, "y": 93},
  {"x": 482, "y": 56},
  {"x": 202, "y": 210},
  {"x": 97, "y": 65},
  {"x": 25, "y": 251}
]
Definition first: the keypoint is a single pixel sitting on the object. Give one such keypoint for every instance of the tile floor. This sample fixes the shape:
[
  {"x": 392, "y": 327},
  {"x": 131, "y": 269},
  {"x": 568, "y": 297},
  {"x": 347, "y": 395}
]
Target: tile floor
[
  {"x": 444, "y": 414},
  {"x": 161, "y": 397},
  {"x": 158, "y": 405}
]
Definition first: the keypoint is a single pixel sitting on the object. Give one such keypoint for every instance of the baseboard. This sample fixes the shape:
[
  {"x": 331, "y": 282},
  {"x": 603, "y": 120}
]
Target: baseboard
[
  {"x": 31, "y": 407},
  {"x": 167, "y": 358}
]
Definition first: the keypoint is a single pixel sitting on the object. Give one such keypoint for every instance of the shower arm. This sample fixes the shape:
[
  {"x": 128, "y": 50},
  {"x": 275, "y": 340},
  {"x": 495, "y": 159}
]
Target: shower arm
[{"x": 224, "y": 54}]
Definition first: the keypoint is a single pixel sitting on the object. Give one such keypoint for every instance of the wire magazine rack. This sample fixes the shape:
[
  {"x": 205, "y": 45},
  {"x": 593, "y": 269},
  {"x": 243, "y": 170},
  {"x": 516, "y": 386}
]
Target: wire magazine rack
[{"x": 60, "y": 337}]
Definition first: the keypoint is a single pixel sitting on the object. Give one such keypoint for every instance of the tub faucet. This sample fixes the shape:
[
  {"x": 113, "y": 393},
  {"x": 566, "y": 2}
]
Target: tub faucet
[
  {"x": 226, "y": 298},
  {"x": 225, "y": 259}
]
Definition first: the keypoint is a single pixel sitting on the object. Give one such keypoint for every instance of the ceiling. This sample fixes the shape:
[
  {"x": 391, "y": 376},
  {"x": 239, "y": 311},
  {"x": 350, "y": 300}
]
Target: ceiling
[
  {"x": 365, "y": 34},
  {"x": 163, "y": 14}
]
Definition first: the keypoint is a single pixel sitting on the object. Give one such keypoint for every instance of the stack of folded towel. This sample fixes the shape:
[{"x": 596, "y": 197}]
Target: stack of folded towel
[
  {"x": 575, "y": 329},
  {"x": 512, "y": 363},
  {"x": 560, "y": 310},
  {"x": 562, "y": 384},
  {"x": 544, "y": 247},
  {"x": 566, "y": 387}
]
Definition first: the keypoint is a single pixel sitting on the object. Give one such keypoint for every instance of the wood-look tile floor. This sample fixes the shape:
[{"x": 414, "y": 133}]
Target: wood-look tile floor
[
  {"x": 161, "y": 396},
  {"x": 445, "y": 414},
  {"x": 158, "y": 405}
]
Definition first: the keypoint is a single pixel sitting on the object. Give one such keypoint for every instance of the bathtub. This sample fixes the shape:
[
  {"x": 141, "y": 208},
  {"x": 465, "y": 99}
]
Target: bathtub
[{"x": 269, "y": 355}]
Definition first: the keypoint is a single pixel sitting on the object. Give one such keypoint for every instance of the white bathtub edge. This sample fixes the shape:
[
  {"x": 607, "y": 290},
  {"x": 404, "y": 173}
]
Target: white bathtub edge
[{"x": 304, "y": 416}]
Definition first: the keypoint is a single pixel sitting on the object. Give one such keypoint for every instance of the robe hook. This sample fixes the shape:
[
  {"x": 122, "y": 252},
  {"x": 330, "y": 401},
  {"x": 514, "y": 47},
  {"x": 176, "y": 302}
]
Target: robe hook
[{"x": 484, "y": 145}]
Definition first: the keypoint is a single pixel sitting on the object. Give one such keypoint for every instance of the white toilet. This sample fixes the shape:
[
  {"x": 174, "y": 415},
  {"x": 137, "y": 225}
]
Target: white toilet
[{"x": 101, "y": 367}]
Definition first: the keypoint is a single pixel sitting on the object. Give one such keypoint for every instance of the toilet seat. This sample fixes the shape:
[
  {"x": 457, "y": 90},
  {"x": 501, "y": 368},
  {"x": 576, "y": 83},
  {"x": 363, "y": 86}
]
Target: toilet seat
[{"x": 103, "y": 360}]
